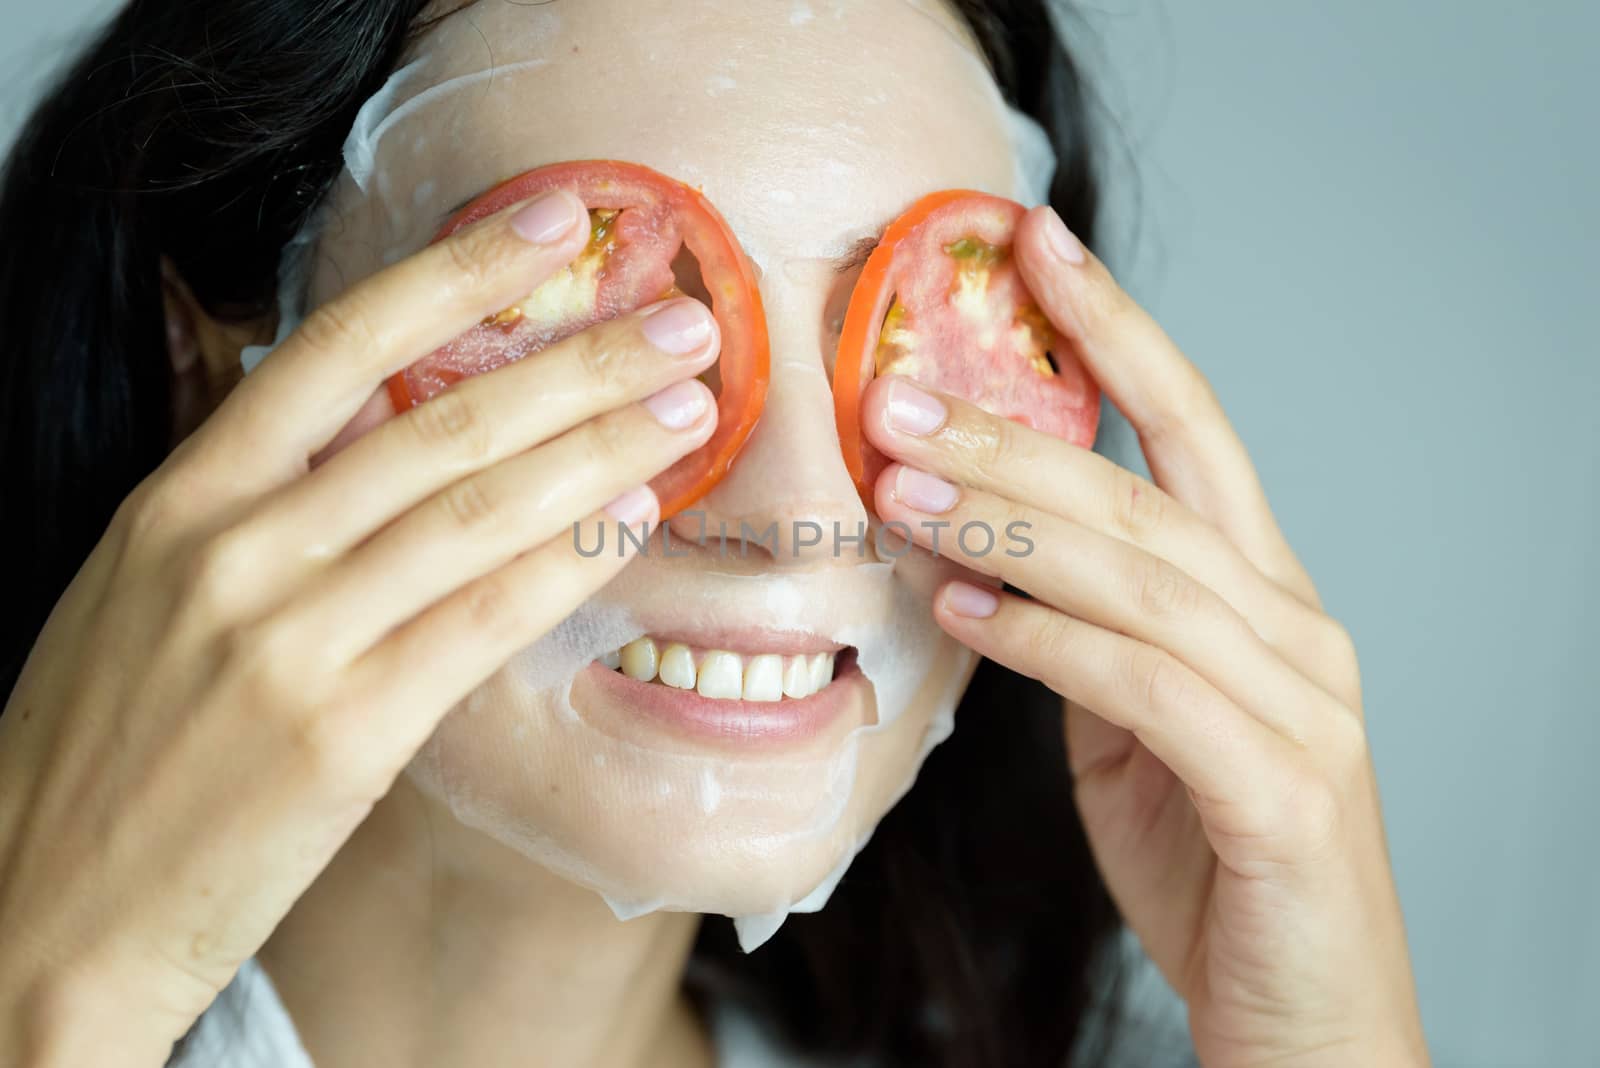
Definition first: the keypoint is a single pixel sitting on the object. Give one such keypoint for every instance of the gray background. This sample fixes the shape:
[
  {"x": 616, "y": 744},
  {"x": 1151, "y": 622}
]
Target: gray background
[{"x": 1373, "y": 225}]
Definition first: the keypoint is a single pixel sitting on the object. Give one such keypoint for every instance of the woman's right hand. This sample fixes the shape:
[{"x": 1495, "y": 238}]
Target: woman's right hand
[{"x": 259, "y": 644}]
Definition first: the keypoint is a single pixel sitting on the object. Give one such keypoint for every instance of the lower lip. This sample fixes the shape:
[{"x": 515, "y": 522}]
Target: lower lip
[{"x": 737, "y": 724}]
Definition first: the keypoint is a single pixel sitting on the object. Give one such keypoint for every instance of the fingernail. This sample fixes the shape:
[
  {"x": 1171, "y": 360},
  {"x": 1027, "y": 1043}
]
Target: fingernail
[
  {"x": 912, "y": 411},
  {"x": 546, "y": 219},
  {"x": 1061, "y": 240},
  {"x": 973, "y": 602},
  {"x": 924, "y": 492},
  {"x": 679, "y": 405},
  {"x": 638, "y": 505},
  {"x": 681, "y": 327}
]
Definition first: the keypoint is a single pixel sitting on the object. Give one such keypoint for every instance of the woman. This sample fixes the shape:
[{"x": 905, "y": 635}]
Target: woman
[{"x": 252, "y": 732}]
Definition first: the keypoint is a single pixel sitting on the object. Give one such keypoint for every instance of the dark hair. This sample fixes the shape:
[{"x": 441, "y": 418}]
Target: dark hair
[{"x": 973, "y": 930}]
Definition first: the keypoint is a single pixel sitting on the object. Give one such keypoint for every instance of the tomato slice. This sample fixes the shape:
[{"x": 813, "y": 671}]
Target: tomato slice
[
  {"x": 639, "y": 220},
  {"x": 941, "y": 300}
]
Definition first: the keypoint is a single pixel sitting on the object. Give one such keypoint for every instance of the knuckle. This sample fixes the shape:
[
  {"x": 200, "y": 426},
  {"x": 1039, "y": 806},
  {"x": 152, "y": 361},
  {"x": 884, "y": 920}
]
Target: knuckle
[
  {"x": 1192, "y": 398},
  {"x": 1343, "y": 739},
  {"x": 601, "y": 357},
  {"x": 1335, "y": 647},
  {"x": 472, "y": 258},
  {"x": 1161, "y": 683},
  {"x": 454, "y": 421},
  {"x": 1319, "y": 790},
  {"x": 267, "y": 663},
  {"x": 1138, "y": 507},
  {"x": 1044, "y": 642},
  {"x": 608, "y": 440},
  {"x": 1011, "y": 517},
  {"x": 152, "y": 511},
  {"x": 1313, "y": 812},
  {"x": 341, "y": 326},
  {"x": 1102, "y": 306},
  {"x": 321, "y": 745},
  {"x": 492, "y": 606},
  {"x": 282, "y": 679},
  {"x": 168, "y": 500},
  {"x": 219, "y": 568},
  {"x": 1162, "y": 591},
  {"x": 470, "y": 505},
  {"x": 990, "y": 444}
]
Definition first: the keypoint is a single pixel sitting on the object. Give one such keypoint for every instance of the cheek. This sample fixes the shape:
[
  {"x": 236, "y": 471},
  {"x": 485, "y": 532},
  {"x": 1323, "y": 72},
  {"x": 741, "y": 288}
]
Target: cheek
[{"x": 378, "y": 409}]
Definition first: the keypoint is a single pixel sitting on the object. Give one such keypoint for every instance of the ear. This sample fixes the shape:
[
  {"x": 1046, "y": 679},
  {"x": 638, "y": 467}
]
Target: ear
[{"x": 203, "y": 352}]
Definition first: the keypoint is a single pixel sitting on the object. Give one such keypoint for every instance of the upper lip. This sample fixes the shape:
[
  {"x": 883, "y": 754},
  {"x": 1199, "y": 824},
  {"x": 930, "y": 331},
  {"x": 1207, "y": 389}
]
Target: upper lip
[
  {"x": 740, "y": 606},
  {"x": 745, "y": 640}
]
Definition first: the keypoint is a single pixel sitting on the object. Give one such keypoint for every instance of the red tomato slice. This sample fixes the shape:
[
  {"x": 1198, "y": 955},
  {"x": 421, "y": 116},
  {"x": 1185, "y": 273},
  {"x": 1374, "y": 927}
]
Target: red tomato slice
[
  {"x": 639, "y": 220},
  {"x": 941, "y": 300}
]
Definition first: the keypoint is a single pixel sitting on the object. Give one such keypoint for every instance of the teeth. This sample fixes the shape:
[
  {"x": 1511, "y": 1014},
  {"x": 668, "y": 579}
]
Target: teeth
[
  {"x": 677, "y": 667},
  {"x": 763, "y": 677},
  {"x": 796, "y": 676},
  {"x": 821, "y": 670},
  {"x": 722, "y": 675},
  {"x": 639, "y": 660}
]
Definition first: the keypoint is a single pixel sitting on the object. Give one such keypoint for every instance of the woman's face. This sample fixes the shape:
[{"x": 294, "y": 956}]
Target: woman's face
[{"x": 809, "y": 124}]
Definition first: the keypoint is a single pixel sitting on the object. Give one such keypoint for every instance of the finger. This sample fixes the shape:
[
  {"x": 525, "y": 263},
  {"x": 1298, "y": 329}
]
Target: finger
[
  {"x": 1096, "y": 749},
  {"x": 1111, "y": 584},
  {"x": 1190, "y": 445},
  {"x": 482, "y": 420},
  {"x": 479, "y": 523},
  {"x": 961, "y": 442},
  {"x": 1209, "y": 742},
  {"x": 311, "y": 385},
  {"x": 432, "y": 662},
  {"x": 1145, "y": 833}
]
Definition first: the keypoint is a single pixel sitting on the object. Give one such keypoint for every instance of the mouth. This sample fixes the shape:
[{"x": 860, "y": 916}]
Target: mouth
[
  {"x": 765, "y": 690},
  {"x": 725, "y": 675}
]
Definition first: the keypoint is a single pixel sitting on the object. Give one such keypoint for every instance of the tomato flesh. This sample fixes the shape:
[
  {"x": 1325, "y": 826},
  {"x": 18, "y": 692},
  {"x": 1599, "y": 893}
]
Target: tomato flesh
[
  {"x": 941, "y": 300},
  {"x": 639, "y": 220}
]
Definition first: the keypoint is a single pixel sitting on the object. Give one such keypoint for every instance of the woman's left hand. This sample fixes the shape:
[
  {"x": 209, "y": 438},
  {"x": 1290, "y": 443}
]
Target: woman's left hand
[{"x": 1213, "y": 710}]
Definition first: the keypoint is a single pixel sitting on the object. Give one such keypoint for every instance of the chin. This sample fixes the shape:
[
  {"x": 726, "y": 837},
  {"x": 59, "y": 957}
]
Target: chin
[{"x": 656, "y": 802}]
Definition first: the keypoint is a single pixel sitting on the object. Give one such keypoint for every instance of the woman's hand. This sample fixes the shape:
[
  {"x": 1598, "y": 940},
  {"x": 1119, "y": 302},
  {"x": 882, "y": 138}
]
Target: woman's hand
[
  {"x": 260, "y": 643},
  {"x": 1213, "y": 711}
]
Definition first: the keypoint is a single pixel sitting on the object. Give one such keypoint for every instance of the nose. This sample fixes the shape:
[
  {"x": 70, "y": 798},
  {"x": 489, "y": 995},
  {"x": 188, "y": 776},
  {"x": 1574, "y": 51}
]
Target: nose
[{"x": 788, "y": 495}]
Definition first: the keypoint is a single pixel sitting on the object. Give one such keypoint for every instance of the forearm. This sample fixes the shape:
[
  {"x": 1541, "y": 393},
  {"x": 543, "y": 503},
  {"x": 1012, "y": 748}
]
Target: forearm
[{"x": 48, "y": 1020}]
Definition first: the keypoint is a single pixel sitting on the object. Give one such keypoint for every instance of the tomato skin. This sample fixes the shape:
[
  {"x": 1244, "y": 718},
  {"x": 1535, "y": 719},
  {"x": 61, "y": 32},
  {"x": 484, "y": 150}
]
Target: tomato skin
[
  {"x": 1063, "y": 400},
  {"x": 655, "y": 212},
  {"x": 854, "y": 366}
]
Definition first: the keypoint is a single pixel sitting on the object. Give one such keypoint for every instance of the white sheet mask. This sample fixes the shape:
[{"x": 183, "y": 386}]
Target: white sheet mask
[
  {"x": 789, "y": 822},
  {"x": 539, "y": 758}
]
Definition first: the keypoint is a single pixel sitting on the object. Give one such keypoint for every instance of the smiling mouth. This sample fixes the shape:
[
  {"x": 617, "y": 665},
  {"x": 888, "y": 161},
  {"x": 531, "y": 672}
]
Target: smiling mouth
[
  {"x": 689, "y": 705},
  {"x": 724, "y": 675}
]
